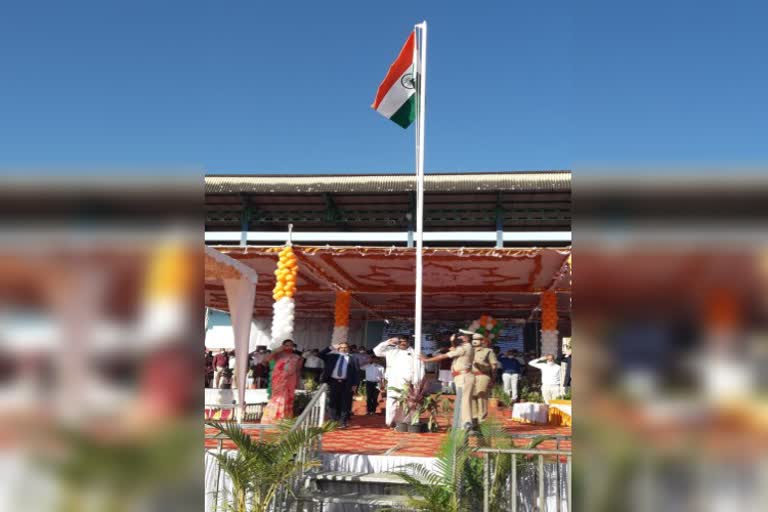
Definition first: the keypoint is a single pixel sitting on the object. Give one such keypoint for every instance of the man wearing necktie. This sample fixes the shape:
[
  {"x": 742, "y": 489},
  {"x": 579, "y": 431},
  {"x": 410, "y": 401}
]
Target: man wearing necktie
[{"x": 342, "y": 373}]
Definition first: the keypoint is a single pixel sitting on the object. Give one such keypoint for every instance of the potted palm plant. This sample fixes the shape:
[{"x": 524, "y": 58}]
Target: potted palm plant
[
  {"x": 361, "y": 395},
  {"x": 401, "y": 400},
  {"x": 493, "y": 399},
  {"x": 260, "y": 469},
  {"x": 432, "y": 406},
  {"x": 415, "y": 400},
  {"x": 449, "y": 486},
  {"x": 446, "y": 406},
  {"x": 455, "y": 482},
  {"x": 499, "y": 397},
  {"x": 310, "y": 384}
]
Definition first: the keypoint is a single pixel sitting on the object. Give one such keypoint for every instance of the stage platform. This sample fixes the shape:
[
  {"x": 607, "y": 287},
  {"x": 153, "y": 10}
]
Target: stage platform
[{"x": 367, "y": 435}]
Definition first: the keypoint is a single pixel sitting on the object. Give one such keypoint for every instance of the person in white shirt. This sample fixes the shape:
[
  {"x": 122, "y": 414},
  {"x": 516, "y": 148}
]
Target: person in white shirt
[
  {"x": 313, "y": 364},
  {"x": 232, "y": 360},
  {"x": 550, "y": 376},
  {"x": 313, "y": 359},
  {"x": 363, "y": 357},
  {"x": 374, "y": 376},
  {"x": 232, "y": 366},
  {"x": 401, "y": 361}
]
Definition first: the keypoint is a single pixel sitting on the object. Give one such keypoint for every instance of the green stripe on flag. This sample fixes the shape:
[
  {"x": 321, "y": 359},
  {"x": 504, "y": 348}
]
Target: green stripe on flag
[{"x": 406, "y": 114}]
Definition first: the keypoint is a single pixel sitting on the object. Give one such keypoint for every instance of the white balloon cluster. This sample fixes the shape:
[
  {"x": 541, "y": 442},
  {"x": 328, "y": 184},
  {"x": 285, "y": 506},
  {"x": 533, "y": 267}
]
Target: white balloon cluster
[
  {"x": 340, "y": 334},
  {"x": 549, "y": 342},
  {"x": 282, "y": 321}
]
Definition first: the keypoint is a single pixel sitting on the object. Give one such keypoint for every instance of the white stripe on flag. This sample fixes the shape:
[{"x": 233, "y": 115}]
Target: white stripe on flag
[{"x": 396, "y": 96}]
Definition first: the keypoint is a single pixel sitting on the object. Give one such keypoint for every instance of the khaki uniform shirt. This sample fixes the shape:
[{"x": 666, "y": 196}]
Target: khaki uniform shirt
[
  {"x": 485, "y": 361},
  {"x": 462, "y": 356}
]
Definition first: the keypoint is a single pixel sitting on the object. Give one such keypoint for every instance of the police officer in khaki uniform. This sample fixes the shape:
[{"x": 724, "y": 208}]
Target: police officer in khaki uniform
[
  {"x": 461, "y": 367},
  {"x": 484, "y": 368}
]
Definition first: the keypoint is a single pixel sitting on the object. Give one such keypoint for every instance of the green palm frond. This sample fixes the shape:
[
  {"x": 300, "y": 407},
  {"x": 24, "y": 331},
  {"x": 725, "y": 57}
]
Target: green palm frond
[
  {"x": 447, "y": 487},
  {"x": 455, "y": 482},
  {"x": 492, "y": 434},
  {"x": 429, "y": 496},
  {"x": 260, "y": 469},
  {"x": 452, "y": 456},
  {"x": 417, "y": 486},
  {"x": 237, "y": 435},
  {"x": 419, "y": 474},
  {"x": 536, "y": 441}
]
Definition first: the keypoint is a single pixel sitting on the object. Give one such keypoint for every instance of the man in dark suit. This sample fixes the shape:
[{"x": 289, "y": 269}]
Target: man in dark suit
[{"x": 342, "y": 373}]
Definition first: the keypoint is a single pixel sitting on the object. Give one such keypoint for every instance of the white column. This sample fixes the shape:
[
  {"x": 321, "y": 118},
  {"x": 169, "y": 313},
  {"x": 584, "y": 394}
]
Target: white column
[{"x": 241, "y": 294}]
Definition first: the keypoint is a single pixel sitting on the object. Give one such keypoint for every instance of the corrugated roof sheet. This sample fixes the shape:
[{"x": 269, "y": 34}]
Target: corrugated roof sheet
[{"x": 527, "y": 182}]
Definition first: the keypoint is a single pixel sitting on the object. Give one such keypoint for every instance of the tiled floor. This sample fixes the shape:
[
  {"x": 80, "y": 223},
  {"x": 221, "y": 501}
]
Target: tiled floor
[{"x": 369, "y": 436}]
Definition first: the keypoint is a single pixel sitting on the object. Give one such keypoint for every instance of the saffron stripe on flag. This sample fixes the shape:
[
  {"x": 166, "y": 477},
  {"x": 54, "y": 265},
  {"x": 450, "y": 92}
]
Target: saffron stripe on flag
[{"x": 396, "y": 70}]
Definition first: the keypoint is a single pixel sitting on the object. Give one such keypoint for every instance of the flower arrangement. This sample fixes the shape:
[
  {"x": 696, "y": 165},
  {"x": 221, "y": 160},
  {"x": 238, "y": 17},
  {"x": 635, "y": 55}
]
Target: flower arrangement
[
  {"x": 487, "y": 326},
  {"x": 416, "y": 400}
]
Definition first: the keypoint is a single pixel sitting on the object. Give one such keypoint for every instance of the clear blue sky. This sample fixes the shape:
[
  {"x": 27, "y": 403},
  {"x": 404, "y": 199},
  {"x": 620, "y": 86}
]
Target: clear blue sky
[{"x": 258, "y": 86}]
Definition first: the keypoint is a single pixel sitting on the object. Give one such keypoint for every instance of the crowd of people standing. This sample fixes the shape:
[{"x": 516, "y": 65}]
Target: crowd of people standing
[{"x": 467, "y": 364}]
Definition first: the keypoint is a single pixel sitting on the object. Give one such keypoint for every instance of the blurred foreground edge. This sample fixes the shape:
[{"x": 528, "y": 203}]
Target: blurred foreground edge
[
  {"x": 100, "y": 319},
  {"x": 669, "y": 311}
]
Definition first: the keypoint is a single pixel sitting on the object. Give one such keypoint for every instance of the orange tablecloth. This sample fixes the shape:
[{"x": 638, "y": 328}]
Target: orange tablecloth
[{"x": 560, "y": 413}]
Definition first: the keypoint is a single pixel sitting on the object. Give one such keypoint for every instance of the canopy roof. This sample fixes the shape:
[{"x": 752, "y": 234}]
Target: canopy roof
[
  {"x": 514, "y": 201},
  {"x": 539, "y": 181},
  {"x": 457, "y": 281}
]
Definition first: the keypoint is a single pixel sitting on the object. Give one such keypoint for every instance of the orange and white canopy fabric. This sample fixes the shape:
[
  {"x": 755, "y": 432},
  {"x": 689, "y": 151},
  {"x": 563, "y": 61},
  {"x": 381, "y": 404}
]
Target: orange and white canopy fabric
[
  {"x": 503, "y": 283},
  {"x": 219, "y": 266}
]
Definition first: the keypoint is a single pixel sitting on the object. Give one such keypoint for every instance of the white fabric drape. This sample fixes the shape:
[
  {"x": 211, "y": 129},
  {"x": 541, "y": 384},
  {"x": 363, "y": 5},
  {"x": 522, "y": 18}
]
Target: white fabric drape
[
  {"x": 240, "y": 295},
  {"x": 530, "y": 412},
  {"x": 224, "y": 397}
]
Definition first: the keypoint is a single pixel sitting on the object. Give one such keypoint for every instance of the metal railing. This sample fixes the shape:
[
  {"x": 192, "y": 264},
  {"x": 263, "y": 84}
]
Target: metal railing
[
  {"x": 220, "y": 437},
  {"x": 312, "y": 416},
  {"x": 536, "y": 498},
  {"x": 520, "y": 457},
  {"x": 252, "y": 411}
]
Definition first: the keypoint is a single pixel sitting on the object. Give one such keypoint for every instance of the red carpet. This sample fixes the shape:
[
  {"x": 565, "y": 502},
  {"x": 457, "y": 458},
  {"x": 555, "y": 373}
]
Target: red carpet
[{"x": 369, "y": 436}]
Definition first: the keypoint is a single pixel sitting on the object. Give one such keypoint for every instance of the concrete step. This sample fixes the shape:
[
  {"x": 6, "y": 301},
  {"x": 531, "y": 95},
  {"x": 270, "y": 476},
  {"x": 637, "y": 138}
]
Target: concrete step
[
  {"x": 354, "y": 498},
  {"x": 365, "y": 478}
]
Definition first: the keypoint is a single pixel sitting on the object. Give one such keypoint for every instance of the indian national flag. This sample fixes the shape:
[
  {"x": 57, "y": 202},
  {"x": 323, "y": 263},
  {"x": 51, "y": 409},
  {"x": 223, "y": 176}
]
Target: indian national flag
[{"x": 396, "y": 97}]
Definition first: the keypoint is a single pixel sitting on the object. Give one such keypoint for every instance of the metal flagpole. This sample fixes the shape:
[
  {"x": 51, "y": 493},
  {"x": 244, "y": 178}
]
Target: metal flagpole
[{"x": 420, "y": 64}]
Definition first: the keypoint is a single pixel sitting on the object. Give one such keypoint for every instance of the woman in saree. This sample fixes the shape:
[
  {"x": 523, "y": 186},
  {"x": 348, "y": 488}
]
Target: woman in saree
[{"x": 285, "y": 378}]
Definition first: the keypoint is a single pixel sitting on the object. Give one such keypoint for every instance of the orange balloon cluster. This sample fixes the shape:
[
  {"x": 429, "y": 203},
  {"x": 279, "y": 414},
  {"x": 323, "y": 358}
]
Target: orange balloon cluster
[
  {"x": 287, "y": 270},
  {"x": 548, "y": 311},
  {"x": 488, "y": 322},
  {"x": 342, "y": 309}
]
